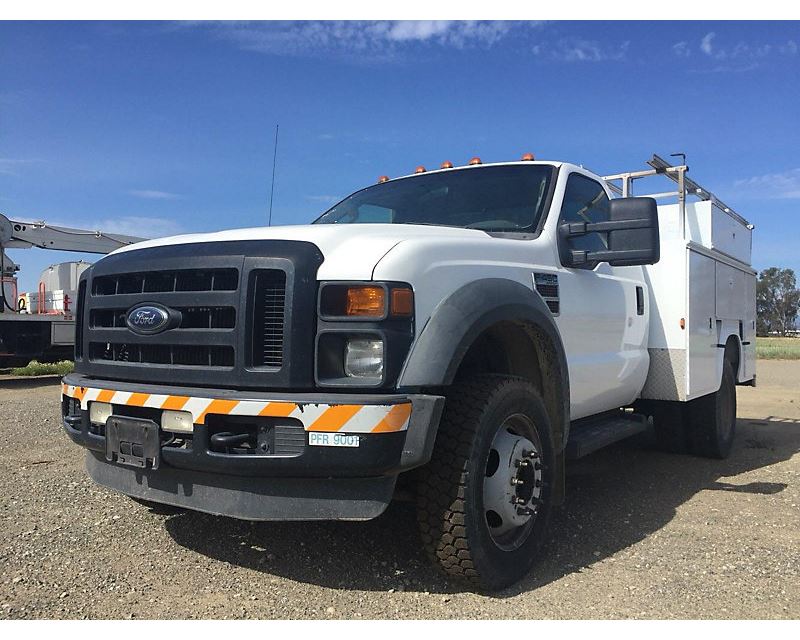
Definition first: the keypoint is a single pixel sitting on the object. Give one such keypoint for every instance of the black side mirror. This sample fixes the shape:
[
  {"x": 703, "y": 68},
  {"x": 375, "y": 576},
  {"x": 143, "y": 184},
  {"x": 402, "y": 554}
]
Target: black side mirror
[{"x": 632, "y": 232}]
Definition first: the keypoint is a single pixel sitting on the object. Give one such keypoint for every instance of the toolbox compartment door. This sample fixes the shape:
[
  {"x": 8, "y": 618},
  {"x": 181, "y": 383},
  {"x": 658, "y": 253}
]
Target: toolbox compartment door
[{"x": 702, "y": 326}]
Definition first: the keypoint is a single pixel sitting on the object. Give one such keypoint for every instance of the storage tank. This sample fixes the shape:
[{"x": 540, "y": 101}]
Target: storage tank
[{"x": 64, "y": 275}]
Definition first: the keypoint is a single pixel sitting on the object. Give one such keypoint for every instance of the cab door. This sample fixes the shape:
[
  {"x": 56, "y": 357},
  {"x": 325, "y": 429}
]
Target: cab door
[{"x": 603, "y": 319}]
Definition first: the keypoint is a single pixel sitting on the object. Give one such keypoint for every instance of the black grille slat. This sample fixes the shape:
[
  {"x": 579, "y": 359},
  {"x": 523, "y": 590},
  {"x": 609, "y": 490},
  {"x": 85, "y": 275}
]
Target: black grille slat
[
  {"x": 169, "y": 354},
  {"x": 200, "y": 317},
  {"x": 166, "y": 282},
  {"x": 269, "y": 310}
]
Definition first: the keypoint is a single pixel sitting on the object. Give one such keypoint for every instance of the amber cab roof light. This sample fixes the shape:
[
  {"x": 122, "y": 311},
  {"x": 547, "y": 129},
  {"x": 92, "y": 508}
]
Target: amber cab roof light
[
  {"x": 528, "y": 157},
  {"x": 383, "y": 179},
  {"x": 475, "y": 160},
  {"x": 446, "y": 165},
  {"x": 420, "y": 169}
]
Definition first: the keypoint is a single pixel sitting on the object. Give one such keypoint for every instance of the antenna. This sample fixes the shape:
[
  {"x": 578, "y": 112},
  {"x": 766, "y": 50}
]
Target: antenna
[{"x": 272, "y": 188}]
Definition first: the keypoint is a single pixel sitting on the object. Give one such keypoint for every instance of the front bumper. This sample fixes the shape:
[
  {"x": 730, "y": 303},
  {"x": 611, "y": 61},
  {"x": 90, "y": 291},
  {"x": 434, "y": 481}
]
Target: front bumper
[{"x": 395, "y": 432}]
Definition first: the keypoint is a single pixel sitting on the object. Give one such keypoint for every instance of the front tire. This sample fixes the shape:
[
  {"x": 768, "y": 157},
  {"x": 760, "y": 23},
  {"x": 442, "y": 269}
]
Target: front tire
[{"x": 484, "y": 499}]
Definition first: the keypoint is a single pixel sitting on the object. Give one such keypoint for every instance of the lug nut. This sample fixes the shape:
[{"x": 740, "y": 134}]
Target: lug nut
[
  {"x": 516, "y": 481},
  {"x": 522, "y": 463}
]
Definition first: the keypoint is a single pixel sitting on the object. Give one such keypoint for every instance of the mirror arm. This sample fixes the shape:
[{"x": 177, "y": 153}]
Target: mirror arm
[
  {"x": 571, "y": 229},
  {"x": 582, "y": 257}
]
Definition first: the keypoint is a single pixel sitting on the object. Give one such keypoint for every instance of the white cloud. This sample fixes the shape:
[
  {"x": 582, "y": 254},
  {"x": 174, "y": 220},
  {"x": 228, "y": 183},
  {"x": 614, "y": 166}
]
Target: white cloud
[
  {"x": 151, "y": 194},
  {"x": 418, "y": 29},
  {"x": 741, "y": 56},
  {"x": 785, "y": 185},
  {"x": 705, "y": 44},
  {"x": 578, "y": 50},
  {"x": 681, "y": 49},
  {"x": 359, "y": 40}
]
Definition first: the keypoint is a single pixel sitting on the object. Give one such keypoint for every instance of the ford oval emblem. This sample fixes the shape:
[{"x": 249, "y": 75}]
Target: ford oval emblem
[{"x": 148, "y": 319}]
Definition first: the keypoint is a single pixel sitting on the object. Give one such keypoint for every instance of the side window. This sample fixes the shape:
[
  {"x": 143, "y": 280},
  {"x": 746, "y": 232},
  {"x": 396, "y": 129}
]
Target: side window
[
  {"x": 374, "y": 213},
  {"x": 585, "y": 200}
]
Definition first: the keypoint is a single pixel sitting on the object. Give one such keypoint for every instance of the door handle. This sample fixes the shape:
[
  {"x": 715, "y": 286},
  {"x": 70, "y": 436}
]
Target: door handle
[{"x": 639, "y": 301}]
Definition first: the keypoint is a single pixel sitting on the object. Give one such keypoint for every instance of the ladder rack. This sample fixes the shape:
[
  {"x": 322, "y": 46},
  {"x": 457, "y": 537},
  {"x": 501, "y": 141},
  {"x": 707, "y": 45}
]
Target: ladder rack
[{"x": 622, "y": 185}]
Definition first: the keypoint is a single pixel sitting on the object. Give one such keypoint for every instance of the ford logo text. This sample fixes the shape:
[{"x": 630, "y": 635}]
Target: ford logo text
[{"x": 148, "y": 319}]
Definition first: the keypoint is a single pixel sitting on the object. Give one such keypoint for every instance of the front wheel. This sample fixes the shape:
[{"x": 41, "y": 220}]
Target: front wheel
[{"x": 484, "y": 499}]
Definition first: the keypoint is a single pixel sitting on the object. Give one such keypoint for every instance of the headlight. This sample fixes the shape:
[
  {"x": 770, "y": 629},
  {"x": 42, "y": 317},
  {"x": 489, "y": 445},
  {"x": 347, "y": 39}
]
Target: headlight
[
  {"x": 365, "y": 301},
  {"x": 363, "y": 358},
  {"x": 99, "y": 412}
]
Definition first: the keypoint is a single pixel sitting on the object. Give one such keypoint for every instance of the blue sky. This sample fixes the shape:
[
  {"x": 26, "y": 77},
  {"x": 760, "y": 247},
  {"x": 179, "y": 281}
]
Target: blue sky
[{"x": 157, "y": 128}]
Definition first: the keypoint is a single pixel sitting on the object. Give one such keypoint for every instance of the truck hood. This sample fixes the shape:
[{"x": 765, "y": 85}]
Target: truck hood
[{"x": 351, "y": 251}]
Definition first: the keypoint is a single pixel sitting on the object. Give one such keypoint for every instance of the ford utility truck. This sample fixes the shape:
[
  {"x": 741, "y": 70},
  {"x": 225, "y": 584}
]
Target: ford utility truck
[{"x": 469, "y": 330}]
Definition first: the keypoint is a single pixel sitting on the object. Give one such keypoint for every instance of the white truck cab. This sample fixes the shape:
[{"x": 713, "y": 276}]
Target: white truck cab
[{"x": 470, "y": 329}]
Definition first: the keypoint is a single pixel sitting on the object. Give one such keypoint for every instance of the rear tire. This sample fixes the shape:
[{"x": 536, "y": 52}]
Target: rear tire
[
  {"x": 713, "y": 418},
  {"x": 484, "y": 499}
]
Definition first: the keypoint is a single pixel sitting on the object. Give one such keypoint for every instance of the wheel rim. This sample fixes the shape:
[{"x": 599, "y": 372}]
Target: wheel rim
[{"x": 512, "y": 484}]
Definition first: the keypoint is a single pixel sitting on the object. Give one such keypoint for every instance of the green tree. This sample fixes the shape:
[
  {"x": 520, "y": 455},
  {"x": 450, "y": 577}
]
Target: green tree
[{"x": 777, "y": 300}]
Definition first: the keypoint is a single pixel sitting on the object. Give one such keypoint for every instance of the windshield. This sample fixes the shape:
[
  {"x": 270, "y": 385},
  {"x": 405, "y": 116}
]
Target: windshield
[{"x": 499, "y": 198}]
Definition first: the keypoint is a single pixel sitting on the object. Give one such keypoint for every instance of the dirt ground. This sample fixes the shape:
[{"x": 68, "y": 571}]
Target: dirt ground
[{"x": 643, "y": 534}]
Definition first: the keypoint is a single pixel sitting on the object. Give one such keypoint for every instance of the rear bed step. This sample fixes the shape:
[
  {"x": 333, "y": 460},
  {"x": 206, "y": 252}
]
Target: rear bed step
[{"x": 587, "y": 436}]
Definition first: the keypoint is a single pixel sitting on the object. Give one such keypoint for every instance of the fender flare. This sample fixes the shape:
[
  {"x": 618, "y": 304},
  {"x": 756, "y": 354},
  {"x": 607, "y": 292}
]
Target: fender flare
[{"x": 460, "y": 318}]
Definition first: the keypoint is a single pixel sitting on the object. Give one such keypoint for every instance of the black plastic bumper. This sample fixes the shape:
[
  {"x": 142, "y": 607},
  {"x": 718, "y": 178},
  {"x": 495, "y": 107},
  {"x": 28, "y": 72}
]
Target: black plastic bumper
[
  {"x": 249, "y": 498},
  {"x": 316, "y": 483}
]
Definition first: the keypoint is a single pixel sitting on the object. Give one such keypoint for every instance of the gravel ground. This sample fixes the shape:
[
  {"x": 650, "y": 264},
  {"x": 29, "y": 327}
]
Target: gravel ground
[{"x": 642, "y": 535}]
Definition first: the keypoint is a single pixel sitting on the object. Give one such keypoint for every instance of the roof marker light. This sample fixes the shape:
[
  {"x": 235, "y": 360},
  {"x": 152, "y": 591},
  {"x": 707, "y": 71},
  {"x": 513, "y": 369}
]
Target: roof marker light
[
  {"x": 383, "y": 179},
  {"x": 420, "y": 169},
  {"x": 475, "y": 160},
  {"x": 527, "y": 157},
  {"x": 446, "y": 165}
]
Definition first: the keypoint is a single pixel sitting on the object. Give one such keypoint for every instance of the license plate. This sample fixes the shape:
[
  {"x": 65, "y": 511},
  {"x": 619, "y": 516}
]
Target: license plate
[
  {"x": 332, "y": 440},
  {"x": 133, "y": 442}
]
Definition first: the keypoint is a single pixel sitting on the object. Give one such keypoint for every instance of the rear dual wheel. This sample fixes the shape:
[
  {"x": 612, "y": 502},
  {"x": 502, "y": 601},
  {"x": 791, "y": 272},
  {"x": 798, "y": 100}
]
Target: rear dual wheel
[
  {"x": 483, "y": 501},
  {"x": 705, "y": 426}
]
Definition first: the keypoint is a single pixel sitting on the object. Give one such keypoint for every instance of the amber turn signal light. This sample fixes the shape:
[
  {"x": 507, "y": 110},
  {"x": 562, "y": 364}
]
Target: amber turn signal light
[
  {"x": 366, "y": 301},
  {"x": 402, "y": 302}
]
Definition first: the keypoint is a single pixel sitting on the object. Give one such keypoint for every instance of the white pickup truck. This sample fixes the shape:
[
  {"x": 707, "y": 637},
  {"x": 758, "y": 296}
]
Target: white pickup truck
[{"x": 471, "y": 329}]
